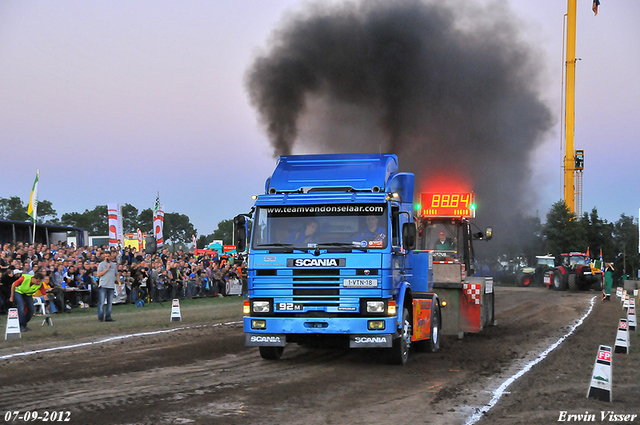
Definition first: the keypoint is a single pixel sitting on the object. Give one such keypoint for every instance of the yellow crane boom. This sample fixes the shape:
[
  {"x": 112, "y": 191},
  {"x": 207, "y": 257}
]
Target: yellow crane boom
[{"x": 569, "y": 122}]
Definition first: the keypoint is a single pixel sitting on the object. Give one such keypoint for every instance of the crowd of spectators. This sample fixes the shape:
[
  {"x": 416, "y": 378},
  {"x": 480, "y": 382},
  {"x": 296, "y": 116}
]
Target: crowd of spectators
[{"x": 71, "y": 281}]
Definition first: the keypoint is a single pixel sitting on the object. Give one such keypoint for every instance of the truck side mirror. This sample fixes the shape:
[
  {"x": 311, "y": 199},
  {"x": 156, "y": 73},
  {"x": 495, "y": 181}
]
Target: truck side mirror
[
  {"x": 409, "y": 236},
  {"x": 241, "y": 232}
]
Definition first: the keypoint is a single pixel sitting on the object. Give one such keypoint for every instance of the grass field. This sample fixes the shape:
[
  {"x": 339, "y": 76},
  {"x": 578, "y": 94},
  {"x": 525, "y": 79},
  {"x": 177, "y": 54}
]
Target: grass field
[{"x": 83, "y": 324}]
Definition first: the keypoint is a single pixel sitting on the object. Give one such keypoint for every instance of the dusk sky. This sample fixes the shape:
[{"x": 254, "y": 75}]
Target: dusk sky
[{"x": 116, "y": 100}]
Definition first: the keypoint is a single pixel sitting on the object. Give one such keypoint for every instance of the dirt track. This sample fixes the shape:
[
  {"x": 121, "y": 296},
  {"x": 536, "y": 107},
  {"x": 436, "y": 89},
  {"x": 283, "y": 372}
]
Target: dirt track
[{"x": 207, "y": 376}]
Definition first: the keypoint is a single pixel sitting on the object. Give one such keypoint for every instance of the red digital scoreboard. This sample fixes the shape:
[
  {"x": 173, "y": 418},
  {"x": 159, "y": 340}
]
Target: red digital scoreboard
[{"x": 447, "y": 204}]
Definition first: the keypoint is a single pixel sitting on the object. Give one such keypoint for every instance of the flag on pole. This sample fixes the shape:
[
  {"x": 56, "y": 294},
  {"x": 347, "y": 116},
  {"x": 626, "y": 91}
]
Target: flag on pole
[
  {"x": 32, "y": 210},
  {"x": 140, "y": 241},
  {"x": 601, "y": 260},
  {"x": 158, "y": 225},
  {"x": 158, "y": 222},
  {"x": 116, "y": 235},
  {"x": 596, "y": 3},
  {"x": 157, "y": 205}
]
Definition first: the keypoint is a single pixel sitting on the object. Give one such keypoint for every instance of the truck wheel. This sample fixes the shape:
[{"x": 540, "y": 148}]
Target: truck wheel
[
  {"x": 559, "y": 283},
  {"x": 433, "y": 344},
  {"x": 271, "y": 353},
  {"x": 399, "y": 352},
  {"x": 573, "y": 282}
]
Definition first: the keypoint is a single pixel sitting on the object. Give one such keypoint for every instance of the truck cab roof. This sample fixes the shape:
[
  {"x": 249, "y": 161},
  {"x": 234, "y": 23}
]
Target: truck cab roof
[
  {"x": 375, "y": 174},
  {"x": 344, "y": 172}
]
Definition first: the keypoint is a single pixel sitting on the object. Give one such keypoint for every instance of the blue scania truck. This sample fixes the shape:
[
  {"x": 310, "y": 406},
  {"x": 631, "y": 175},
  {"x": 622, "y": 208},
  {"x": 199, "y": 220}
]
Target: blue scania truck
[{"x": 338, "y": 253}]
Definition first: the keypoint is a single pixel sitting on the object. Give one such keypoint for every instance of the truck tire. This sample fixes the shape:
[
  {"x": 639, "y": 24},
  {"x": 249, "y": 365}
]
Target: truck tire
[
  {"x": 559, "y": 284},
  {"x": 433, "y": 344},
  {"x": 399, "y": 352},
  {"x": 573, "y": 282},
  {"x": 271, "y": 353}
]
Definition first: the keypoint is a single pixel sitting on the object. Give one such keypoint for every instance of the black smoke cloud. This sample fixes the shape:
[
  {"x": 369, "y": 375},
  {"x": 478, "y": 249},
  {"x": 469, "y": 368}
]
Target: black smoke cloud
[{"x": 450, "y": 87}]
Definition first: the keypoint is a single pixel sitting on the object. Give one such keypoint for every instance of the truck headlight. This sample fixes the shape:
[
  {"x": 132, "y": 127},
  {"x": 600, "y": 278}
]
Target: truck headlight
[
  {"x": 375, "y": 306},
  {"x": 261, "y": 306}
]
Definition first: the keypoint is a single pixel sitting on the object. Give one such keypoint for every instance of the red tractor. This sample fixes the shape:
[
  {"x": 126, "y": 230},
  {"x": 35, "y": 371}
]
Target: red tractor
[{"x": 576, "y": 274}]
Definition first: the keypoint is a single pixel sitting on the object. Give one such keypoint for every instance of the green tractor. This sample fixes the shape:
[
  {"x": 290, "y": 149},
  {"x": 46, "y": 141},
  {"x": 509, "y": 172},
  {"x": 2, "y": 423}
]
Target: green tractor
[{"x": 540, "y": 274}]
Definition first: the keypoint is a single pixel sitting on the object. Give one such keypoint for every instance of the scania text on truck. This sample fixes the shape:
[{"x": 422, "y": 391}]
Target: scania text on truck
[{"x": 334, "y": 257}]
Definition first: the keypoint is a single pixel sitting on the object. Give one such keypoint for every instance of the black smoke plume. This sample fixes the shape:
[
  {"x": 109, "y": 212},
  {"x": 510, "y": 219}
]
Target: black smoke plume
[{"x": 451, "y": 87}]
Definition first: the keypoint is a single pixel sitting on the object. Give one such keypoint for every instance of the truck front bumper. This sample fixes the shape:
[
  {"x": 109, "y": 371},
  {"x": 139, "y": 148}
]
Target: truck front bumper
[{"x": 273, "y": 330}]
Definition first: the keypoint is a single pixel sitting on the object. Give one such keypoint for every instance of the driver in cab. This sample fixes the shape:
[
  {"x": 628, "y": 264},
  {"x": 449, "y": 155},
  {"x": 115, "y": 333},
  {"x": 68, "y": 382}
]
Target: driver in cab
[
  {"x": 373, "y": 234},
  {"x": 306, "y": 237},
  {"x": 443, "y": 243}
]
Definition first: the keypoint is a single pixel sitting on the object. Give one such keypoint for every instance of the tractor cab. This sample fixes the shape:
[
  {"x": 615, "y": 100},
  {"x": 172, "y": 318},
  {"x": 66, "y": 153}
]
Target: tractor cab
[
  {"x": 545, "y": 261},
  {"x": 574, "y": 259}
]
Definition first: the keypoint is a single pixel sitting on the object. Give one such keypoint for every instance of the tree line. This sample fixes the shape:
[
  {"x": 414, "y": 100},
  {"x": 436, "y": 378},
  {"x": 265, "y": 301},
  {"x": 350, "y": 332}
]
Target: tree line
[
  {"x": 177, "y": 227},
  {"x": 565, "y": 232}
]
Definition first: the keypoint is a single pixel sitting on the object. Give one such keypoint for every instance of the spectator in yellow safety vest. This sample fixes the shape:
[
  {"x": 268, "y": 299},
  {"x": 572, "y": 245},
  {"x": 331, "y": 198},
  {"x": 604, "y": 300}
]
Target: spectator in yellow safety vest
[{"x": 22, "y": 292}]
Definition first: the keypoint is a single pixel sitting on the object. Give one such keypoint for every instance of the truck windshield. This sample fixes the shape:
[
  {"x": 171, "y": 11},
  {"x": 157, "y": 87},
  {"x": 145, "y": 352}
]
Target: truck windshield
[{"x": 307, "y": 226}]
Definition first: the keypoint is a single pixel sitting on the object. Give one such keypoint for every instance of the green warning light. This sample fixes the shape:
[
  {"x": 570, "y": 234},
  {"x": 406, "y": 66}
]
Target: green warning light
[
  {"x": 417, "y": 207},
  {"x": 472, "y": 207}
]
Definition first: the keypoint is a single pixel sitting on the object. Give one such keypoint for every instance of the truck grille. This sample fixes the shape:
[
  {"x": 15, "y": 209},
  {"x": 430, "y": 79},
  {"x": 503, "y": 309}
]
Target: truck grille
[
  {"x": 316, "y": 289},
  {"x": 316, "y": 292}
]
